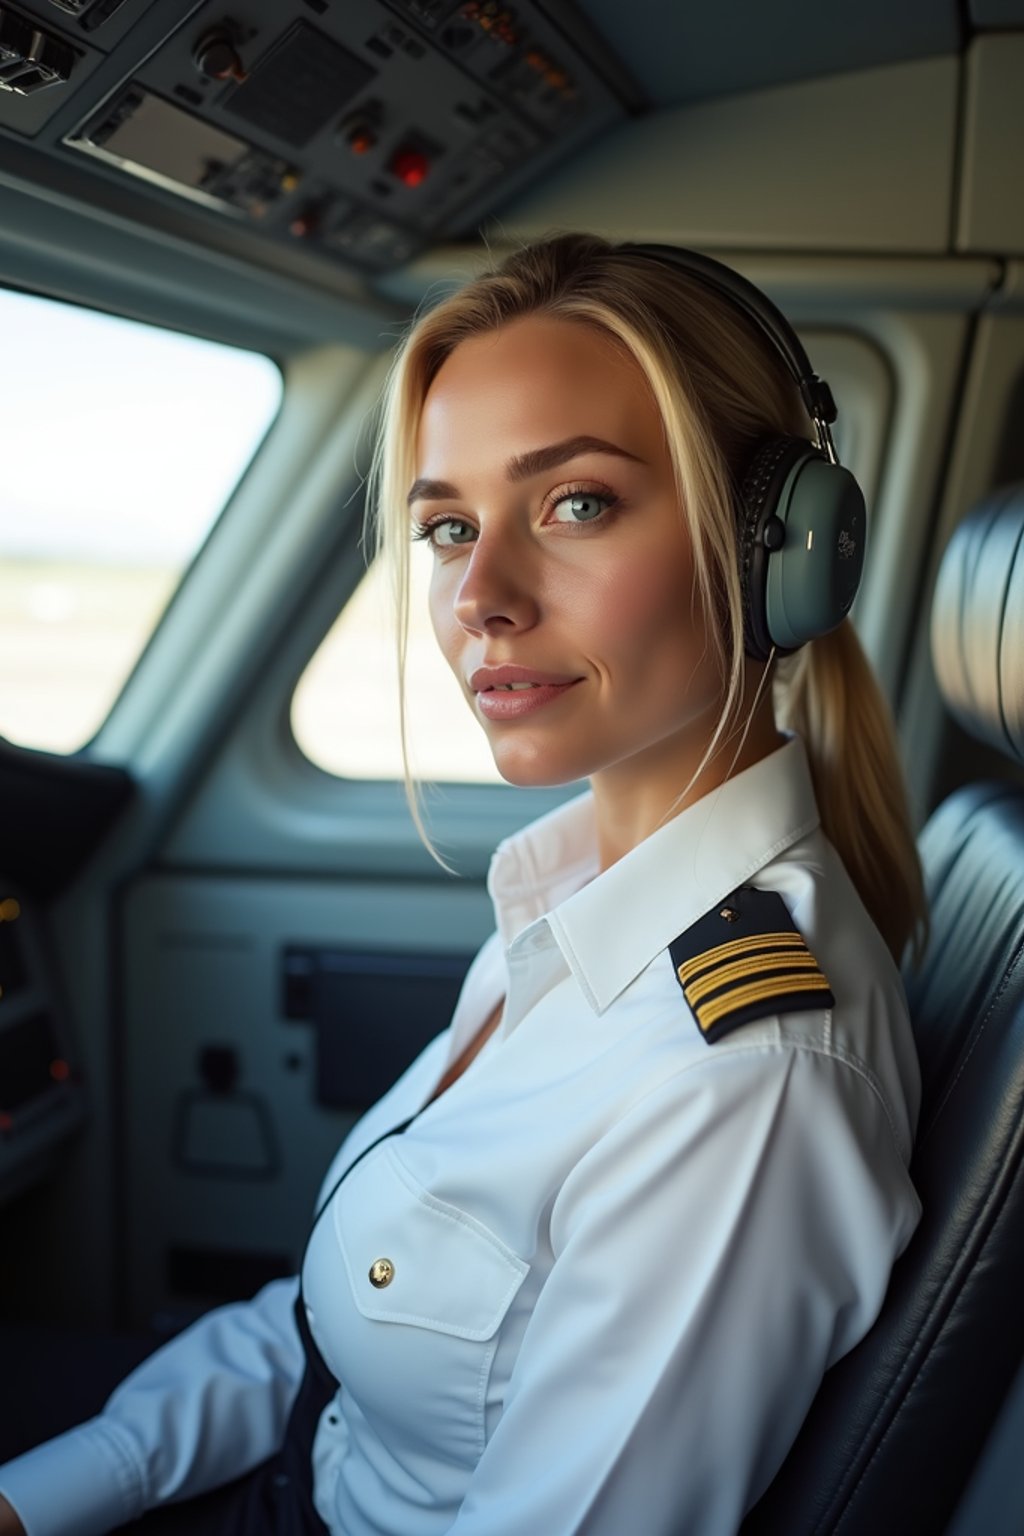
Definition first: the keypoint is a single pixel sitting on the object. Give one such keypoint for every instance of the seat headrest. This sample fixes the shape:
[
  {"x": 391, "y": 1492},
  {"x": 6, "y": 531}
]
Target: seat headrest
[{"x": 978, "y": 622}]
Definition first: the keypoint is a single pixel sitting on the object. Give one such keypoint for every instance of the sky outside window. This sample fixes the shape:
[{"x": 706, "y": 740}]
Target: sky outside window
[{"x": 121, "y": 444}]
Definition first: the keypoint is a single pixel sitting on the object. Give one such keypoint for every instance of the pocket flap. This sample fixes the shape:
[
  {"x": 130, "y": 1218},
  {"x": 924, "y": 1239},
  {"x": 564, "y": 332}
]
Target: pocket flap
[{"x": 433, "y": 1265}]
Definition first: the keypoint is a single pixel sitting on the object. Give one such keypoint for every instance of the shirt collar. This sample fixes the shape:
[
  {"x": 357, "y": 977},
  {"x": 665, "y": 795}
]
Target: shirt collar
[{"x": 610, "y": 926}]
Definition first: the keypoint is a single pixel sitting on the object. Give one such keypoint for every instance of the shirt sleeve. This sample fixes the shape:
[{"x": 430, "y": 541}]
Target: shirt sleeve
[
  {"x": 208, "y": 1406},
  {"x": 720, "y": 1247}
]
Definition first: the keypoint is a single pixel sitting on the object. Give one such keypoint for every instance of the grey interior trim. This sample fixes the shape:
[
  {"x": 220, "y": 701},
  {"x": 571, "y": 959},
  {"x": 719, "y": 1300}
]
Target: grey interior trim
[
  {"x": 993, "y": 131},
  {"x": 760, "y": 170},
  {"x": 689, "y": 53},
  {"x": 802, "y": 287},
  {"x": 51, "y": 244},
  {"x": 997, "y": 13},
  {"x": 996, "y": 362},
  {"x": 204, "y": 965},
  {"x": 216, "y": 634}
]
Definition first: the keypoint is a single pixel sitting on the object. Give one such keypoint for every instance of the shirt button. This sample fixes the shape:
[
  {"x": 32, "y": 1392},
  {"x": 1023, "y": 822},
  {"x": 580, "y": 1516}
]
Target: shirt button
[{"x": 382, "y": 1272}]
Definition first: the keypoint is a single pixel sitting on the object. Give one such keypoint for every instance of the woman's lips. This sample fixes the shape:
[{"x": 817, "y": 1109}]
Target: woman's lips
[
  {"x": 510, "y": 703},
  {"x": 506, "y": 672}
]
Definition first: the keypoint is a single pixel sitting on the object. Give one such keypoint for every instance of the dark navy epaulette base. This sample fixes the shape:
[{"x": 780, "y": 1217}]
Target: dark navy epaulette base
[{"x": 745, "y": 960}]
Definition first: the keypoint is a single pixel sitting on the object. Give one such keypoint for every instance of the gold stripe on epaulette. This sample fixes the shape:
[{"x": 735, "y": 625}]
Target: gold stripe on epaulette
[
  {"x": 756, "y": 992},
  {"x": 757, "y": 964},
  {"x": 735, "y": 947}
]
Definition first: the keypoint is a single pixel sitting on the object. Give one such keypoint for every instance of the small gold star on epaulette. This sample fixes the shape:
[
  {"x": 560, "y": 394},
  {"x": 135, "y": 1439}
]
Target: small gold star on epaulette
[{"x": 744, "y": 960}]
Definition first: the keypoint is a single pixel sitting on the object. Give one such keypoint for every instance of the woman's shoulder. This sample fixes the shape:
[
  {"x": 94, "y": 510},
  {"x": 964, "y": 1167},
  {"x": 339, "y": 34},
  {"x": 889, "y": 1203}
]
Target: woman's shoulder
[
  {"x": 793, "y": 962},
  {"x": 788, "y": 965}
]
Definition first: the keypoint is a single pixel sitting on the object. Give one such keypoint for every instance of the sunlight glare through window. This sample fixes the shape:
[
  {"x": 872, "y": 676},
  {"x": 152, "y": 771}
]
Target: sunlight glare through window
[
  {"x": 345, "y": 708},
  {"x": 122, "y": 442}
]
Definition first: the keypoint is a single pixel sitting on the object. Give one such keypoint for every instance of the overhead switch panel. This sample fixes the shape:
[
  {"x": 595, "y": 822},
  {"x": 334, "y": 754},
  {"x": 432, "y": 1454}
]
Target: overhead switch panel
[
  {"x": 351, "y": 130},
  {"x": 30, "y": 59},
  {"x": 299, "y": 86},
  {"x": 163, "y": 144},
  {"x": 91, "y": 13}
]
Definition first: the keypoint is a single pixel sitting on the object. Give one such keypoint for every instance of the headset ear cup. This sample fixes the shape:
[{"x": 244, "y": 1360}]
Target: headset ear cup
[
  {"x": 767, "y": 473},
  {"x": 803, "y": 525}
]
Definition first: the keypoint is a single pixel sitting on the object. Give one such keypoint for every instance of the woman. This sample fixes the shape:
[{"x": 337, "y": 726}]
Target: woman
[{"x": 583, "y": 1267}]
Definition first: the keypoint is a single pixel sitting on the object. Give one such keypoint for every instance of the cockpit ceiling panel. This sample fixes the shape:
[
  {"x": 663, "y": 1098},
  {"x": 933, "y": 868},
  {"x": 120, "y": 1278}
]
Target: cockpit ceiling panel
[
  {"x": 360, "y": 130},
  {"x": 687, "y": 53},
  {"x": 997, "y": 14}
]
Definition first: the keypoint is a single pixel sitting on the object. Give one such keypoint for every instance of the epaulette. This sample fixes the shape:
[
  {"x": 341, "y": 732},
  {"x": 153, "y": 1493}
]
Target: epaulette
[{"x": 744, "y": 960}]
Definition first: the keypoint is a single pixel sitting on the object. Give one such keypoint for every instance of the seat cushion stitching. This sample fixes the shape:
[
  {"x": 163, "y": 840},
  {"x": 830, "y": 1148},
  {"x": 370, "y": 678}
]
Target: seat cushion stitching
[{"x": 997, "y": 999}]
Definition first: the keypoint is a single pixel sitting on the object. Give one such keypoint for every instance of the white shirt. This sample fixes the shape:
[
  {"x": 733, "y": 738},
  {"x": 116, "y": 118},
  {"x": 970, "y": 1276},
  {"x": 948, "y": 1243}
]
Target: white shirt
[{"x": 622, "y": 1257}]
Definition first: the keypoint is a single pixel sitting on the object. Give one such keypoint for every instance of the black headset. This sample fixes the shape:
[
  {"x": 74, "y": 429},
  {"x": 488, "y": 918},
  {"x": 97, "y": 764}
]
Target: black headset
[{"x": 801, "y": 516}]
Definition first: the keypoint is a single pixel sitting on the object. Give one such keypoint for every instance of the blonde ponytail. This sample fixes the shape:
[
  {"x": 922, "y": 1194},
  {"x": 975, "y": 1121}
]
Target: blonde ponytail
[{"x": 828, "y": 694}]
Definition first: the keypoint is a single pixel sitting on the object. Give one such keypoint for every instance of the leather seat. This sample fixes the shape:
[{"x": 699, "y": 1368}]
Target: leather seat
[
  {"x": 993, "y": 1504},
  {"x": 892, "y": 1436}
]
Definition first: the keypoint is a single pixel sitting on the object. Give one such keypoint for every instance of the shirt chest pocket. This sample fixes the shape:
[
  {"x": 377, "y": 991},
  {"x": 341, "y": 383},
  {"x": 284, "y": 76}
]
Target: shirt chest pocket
[{"x": 431, "y": 1287}]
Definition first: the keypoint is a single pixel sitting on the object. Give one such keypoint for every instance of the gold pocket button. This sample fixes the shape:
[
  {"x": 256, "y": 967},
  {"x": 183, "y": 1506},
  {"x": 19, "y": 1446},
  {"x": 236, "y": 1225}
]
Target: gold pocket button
[{"x": 382, "y": 1272}]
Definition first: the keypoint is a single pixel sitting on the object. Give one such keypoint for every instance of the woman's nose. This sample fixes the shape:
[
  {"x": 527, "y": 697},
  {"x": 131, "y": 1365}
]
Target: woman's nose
[{"x": 496, "y": 591}]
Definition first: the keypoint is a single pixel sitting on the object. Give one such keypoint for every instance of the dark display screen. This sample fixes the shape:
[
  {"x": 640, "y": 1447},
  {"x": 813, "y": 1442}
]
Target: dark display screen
[
  {"x": 27, "y": 1052},
  {"x": 12, "y": 964}
]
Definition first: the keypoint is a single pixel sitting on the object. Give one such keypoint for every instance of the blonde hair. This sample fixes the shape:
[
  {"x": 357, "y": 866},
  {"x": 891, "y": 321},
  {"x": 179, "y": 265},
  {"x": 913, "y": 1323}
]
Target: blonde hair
[{"x": 718, "y": 387}]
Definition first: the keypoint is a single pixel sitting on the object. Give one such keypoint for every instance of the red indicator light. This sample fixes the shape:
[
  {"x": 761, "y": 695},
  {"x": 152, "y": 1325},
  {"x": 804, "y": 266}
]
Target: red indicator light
[
  {"x": 410, "y": 166},
  {"x": 6, "y": 1122},
  {"x": 59, "y": 1071},
  {"x": 305, "y": 223}
]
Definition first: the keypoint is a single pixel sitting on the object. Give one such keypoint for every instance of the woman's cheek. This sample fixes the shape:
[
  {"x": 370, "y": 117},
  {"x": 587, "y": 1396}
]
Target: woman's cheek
[
  {"x": 641, "y": 605},
  {"x": 441, "y": 602}
]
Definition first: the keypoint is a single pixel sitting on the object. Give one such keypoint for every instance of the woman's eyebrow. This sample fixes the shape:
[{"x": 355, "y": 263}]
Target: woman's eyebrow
[
  {"x": 537, "y": 460},
  {"x": 524, "y": 465}
]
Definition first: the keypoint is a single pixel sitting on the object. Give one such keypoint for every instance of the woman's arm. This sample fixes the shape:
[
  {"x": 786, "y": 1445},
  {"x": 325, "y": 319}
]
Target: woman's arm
[
  {"x": 205, "y": 1408},
  {"x": 715, "y": 1252}
]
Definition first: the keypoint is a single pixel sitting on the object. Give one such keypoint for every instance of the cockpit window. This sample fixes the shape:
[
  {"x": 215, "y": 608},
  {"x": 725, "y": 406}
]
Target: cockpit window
[
  {"x": 122, "y": 443},
  {"x": 345, "y": 708}
]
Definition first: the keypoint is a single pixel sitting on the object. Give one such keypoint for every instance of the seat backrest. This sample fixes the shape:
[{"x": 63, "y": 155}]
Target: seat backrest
[
  {"x": 891, "y": 1437},
  {"x": 993, "y": 1502}
]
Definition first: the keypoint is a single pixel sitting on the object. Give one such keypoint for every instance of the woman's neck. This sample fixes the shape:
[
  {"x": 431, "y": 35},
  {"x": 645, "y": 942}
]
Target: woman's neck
[{"x": 632, "y": 798}]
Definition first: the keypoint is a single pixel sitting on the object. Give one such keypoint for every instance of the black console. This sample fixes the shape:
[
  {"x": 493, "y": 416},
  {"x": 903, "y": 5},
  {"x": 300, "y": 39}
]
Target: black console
[{"x": 40, "y": 1098}]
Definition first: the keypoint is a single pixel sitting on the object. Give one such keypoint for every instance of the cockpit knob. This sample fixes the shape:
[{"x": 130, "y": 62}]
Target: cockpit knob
[{"x": 217, "y": 58}]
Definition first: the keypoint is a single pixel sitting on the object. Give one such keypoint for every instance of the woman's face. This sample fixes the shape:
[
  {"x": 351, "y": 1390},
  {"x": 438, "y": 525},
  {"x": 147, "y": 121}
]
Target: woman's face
[{"x": 559, "y": 551}]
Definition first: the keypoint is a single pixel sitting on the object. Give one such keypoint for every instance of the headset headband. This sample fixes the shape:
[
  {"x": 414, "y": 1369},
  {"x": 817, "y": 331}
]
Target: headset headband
[
  {"x": 801, "y": 516},
  {"x": 769, "y": 320}
]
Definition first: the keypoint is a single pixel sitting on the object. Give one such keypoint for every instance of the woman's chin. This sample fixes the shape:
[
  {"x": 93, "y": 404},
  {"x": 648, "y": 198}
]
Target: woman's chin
[{"x": 536, "y": 770}]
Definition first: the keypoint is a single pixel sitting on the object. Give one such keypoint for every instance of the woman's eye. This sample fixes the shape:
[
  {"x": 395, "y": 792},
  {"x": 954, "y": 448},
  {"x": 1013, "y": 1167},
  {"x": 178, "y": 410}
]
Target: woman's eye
[
  {"x": 581, "y": 507},
  {"x": 442, "y": 535}
]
